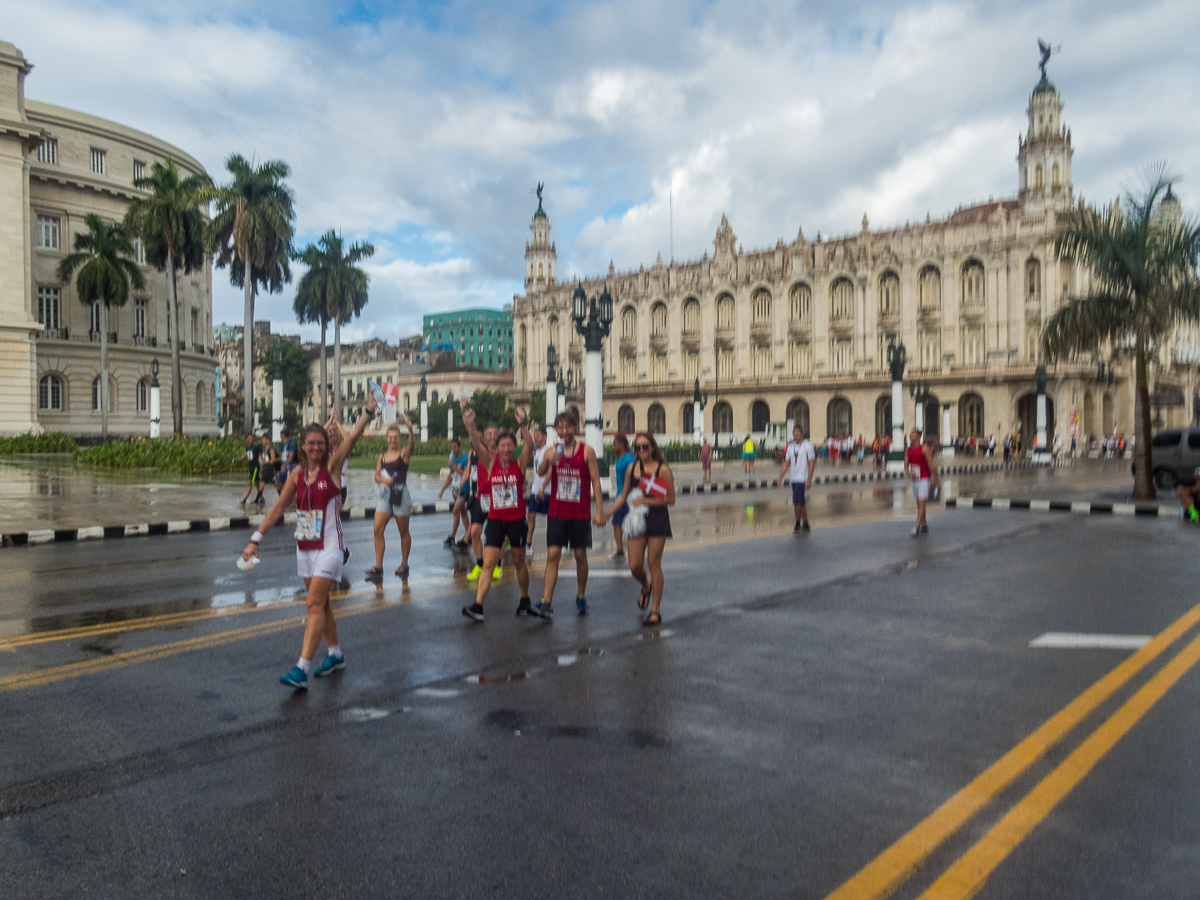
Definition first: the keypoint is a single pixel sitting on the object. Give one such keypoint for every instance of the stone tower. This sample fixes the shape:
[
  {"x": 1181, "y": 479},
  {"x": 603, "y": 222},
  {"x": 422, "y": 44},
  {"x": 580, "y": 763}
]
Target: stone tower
[
  {"x": 1044, "y": 153},
  {"x": 540, "y": 254}
]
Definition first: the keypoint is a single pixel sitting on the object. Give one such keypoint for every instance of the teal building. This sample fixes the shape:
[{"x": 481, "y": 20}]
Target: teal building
[{"x": 480, "y": 338}]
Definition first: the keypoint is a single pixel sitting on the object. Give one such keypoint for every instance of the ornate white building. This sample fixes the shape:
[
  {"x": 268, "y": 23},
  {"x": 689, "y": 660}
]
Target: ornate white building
[{"x": 801, "y": 330}]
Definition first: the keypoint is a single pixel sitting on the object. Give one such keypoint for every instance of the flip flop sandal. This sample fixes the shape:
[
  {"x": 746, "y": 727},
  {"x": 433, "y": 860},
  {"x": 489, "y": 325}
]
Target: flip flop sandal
[
  {"x": 402, "y": 571},
  {"x": 652, "y": 619},
  {"x": 375, "y": 572},
  {"x": 644, "y": 599}
]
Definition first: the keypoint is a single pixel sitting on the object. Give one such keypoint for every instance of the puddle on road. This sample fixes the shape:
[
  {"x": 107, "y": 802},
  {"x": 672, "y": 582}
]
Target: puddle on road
[
  {"x": 499, "y": 677},
  {"x": 356, "y": 714},
  {"x": 437, "y": 693}
]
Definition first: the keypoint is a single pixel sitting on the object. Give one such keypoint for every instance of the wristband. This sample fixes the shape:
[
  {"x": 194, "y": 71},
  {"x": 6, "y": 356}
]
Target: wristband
[
  {"x": 256, "y": 537},
  {"x": 370, "y": 413}
]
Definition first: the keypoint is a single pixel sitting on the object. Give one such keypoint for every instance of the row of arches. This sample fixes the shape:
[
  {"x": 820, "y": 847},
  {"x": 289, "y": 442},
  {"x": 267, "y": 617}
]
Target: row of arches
[{"x": 54, "y": 395}]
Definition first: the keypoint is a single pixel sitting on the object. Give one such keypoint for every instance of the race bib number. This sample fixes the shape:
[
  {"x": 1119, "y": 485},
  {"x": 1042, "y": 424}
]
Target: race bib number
[
  {"x": 568, "y": 489},
  {"x": 485, "y": 503},
  {"x": 308, "y": 525},
  {"x": 504, "y": 496}
]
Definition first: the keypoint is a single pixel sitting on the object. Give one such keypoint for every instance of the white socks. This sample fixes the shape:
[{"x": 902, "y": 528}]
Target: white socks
[
  {"x": 335, "y": 650},
  {"x": 306, "y": 665}
]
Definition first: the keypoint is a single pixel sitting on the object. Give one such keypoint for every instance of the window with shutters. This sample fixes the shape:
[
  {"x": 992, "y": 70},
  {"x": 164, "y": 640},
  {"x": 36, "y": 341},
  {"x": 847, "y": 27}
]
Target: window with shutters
[
  {"x": 801, "y": 358},
  {"x": 761, "y": 362},
  {"x": 691, "y": 316},
  {"x": 760, "y": 307},
  {"x": 800, "y": 303},
  {"x": 889, "y": 294},
  {"x": 842, "y": 300},
  {"x": 47, "y": 152},
  {"x": 930, "y": 341},
  {"x": 841, "y": 354},
  {"x": 973, "y": 284},
  {"x": 50, "y": 307},
  {"x": 98, "y": 160},
  {"x": 973, "y": 348},
  {"x": 658, "y": 368},
  {"x": 725, "y": 311},
  {"x": 930, "y": 288},
  {"x": 691, "y": 366},
  {"x": 725, "y": 364},
  {"x": 629, "y": 369},
  {"x": 658, "y": 320}
]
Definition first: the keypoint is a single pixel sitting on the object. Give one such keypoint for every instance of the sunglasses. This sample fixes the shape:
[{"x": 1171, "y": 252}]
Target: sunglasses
[{"x": 641, "y": 446}]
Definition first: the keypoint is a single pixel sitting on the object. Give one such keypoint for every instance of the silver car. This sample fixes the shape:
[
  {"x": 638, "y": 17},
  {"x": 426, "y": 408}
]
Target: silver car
[{"x": 1175, "y": 456}]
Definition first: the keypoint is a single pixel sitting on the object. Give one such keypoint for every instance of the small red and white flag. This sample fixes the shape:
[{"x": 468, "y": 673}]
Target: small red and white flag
[{"x": 391, "y": 392}]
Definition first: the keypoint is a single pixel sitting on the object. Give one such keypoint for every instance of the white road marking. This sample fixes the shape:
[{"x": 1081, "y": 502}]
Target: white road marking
[{"x": 1068, "y": 640}]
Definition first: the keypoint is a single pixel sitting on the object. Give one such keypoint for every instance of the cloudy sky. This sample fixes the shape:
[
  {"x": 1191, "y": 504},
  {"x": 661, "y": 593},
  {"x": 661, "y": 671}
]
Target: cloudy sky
[{"x": 424, "y": 127}]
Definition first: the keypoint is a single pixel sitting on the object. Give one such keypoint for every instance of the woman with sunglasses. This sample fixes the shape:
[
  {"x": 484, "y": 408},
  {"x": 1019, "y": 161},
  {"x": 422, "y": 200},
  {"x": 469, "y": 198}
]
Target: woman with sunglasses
[{"x": 651, "y": 477}]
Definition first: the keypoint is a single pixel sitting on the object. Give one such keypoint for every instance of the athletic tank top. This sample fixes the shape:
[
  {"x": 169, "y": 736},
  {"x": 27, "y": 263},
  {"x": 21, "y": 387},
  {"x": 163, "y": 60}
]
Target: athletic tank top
[
  {"x": 507, "y": 486},
  {"x": 916, "y": 460},
  {"x": 571, "y": 486},
  {"x": 316, "y": 505},
  {"x": 398, "y": 470}
]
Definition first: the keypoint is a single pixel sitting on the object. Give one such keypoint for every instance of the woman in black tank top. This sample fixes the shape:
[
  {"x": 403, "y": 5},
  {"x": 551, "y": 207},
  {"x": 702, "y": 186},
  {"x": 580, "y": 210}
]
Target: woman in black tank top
[{"x": 395, "y": 501}]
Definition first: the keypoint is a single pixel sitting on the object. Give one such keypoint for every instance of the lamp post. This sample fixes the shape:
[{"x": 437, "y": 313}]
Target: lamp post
[
  {"x": 424, "y": 410},
  {"x": 598, "y": 312},
  {"x": 155, "y": 400},
  {"x": 1041, "y": 450},
  {"x": 920, "y": 393},
  {"x": 947, "y": 443},
  {"x": 698, "y": 412},
  {"x": 450, "y": 422},
  {"x": 277, "y": 396},
  {"x": 897, "y": 356},
  {"x": 551, "y": 387},
  {"x": 716, "y": 388}
]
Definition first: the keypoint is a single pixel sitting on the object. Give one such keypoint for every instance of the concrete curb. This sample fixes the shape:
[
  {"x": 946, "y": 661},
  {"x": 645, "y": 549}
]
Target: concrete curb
[
  {"x": 1084, "y": 507},
  {"x": 855, "y": 477}
]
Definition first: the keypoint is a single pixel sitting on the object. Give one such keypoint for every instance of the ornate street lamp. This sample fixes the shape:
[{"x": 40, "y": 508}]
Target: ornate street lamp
[
  {"x": 561, "y": 391},
  {"x": 716, "y": 389},
  {"x": 698, "y": 405},
  {"x": 277, "y": 395},
  {"x": 598, "y": 312},
  {"x": 155, "y": 400},
  {"x": 424, "y": 392},
  {"x": 897, "y": 357},
  {"x": 551, "y": 387}
]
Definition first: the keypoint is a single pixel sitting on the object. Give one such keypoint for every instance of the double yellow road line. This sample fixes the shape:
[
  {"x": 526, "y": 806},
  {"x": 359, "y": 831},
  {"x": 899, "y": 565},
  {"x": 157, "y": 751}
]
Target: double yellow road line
[{"x": 965, "y": 877}]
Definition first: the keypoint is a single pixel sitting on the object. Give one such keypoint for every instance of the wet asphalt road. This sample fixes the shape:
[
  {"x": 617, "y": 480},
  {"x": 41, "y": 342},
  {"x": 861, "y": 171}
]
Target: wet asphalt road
[{"x": 808, "y": 700}]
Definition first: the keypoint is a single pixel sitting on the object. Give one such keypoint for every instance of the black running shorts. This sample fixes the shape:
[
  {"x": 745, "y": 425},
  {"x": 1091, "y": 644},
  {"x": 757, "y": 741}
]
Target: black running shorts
[
  {"x": 495, "y": 531},
  {"x": 568, "y": 532}
]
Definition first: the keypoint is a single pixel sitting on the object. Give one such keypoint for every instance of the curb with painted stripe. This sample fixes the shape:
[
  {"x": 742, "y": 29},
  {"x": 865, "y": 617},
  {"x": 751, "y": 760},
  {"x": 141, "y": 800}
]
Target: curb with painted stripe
[{"x": 1084, "y": 507}]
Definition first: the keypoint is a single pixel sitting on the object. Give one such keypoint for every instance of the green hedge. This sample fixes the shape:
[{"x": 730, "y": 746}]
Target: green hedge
[
  {"x": 187, "y": 456},
  {"x": 51, "y": 442},
  {"x": 373, "y": 446}
]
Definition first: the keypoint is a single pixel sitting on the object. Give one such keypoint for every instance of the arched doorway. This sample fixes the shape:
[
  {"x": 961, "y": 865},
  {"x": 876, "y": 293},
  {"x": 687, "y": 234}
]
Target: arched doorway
[
  {"x": 883, "y": 416},
  {"x": 625, "y": 419},
  {"x": 797, "y": 411},
  {"x": 1089, "y": 414},
  {"x": 970, "y": 416},
  {"x": 722, "y": 417},
  {"x": 1027, "y": 421},
  {"x": 1107, "y": 416},
  {"x": 838, "y": 417},
  {"x": 933, "y": 418},
  {"x": 760, "y": 416},
  {"x": 689, "y": 418},
  {"x": 656, "y": 419}
]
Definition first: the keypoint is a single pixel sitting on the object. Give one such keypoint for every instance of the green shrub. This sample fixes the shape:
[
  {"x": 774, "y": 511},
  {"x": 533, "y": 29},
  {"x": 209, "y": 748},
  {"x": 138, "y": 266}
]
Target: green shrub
[
  {"x": 50, "y": 442},
  {"x": 187, "y": 456}
]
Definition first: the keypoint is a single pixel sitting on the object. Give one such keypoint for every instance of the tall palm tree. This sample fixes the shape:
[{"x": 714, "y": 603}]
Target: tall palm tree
[
  {"x": 333, "y": 274},
  {"x": 171, "y": 227},
  {"x": 1143, "y": 264},
  {"x": 312, "y": 305},
  {"x": 251, "y": 232},
  {"x": 105, "y": 275}
]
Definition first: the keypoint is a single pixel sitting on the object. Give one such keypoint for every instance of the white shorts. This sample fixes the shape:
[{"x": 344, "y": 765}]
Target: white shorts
[
  {"x": 325, "y": 563},
  {"x": 920, "y": 488}
]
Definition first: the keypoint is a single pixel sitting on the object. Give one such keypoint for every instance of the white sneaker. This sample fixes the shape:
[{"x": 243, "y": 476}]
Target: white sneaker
[{"x": 916, "y": 532}]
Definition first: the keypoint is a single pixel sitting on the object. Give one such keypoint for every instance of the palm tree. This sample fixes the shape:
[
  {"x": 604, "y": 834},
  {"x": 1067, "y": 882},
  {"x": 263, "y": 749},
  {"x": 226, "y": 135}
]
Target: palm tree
[
  {"x": 334, "y": 288},
  {"x": 1143, "y": 264},
  {"x": 170, "y": 224},
  {"x": 252, "y": 232},
  {"x": 105, "y": 275}
]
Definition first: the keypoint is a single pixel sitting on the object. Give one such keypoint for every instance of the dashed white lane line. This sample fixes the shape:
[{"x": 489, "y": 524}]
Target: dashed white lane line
[{"x": 1069, "y": 640}]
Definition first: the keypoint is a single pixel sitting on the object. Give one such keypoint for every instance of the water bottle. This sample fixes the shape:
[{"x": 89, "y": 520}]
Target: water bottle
[{"x": 380, "y": 400}]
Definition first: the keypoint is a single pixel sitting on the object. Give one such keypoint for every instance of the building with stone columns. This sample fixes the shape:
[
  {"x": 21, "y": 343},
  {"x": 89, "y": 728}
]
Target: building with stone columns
[
  {"x": 56, "y": 166},
  {"x": 800, "y": 331}
]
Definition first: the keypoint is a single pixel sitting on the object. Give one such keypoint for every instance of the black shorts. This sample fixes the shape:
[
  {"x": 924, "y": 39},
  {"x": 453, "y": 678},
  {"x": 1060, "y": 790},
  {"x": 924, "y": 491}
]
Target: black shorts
[
  {"x": 267, "y": 475},
  {"x": 573, "y": 533},
  {"x": 495, "y": 531},
  {"x": 478, "y": 516},
  {"x": 254, "y": 475},
  {"x": 658, "y": 522}
]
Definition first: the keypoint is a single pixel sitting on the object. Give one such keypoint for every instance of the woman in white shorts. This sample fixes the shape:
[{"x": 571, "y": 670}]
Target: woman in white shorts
[
  {"x": 921, "y": 470},
  {"x": 319, "y": 541},
  {"x": 395, "y": 500}
]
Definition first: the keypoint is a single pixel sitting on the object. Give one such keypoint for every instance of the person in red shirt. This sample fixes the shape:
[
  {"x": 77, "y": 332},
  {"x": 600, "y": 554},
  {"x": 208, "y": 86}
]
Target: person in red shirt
[{"x": 921, "y": 469}]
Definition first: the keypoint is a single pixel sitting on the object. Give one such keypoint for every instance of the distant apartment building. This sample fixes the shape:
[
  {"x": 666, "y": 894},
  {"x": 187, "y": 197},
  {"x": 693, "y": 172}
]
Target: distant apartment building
[{"x": 478, "y": 338}]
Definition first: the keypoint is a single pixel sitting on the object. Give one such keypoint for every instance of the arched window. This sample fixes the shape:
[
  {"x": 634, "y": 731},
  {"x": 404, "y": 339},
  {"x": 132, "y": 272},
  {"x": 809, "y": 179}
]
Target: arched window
[
  {"x": 541, "y": 272},
  {"x": 200, "y": 392},
  {"x": 407, "y": 400},
  {"x": 973, "y": 284},
  {"x": 797, "y": 411},
  {"x": 691, "y": 316},
  {"x": 883, "y": 416},
  {"x": 970, "y": 416},
  {"x": 552, "y": 330},
  {"x": 433, "y": 396},
  {"x": 143, "y": 395},
  {"x": 930, "y": 288},
  {"x": 658, "y": 320},
  {"x": 800, "y": 303},
  {"x": 842, "y": 300},
  {"x": 1037, "y": 178},
  {"x": 933, "y": 418},
  {"x": 689, "y": 418},
  {"x": 1033, "y": 280},
  {"x": 50, "y": 393},
  {"x": 760, "y": 308},
  {"x": 760, "y": 416},
  {"x": 629, "y": 324},
  {"x": 725, "y": 310},
  {"x": 625, "y": 419},
  {"x": 1054, "y": 176},
  {"x": 839, "y": 420},
  {"x": 889, "y": 294},
  {"x": 656, "y": 419},
  {"x": 96, "y": 394},
  {"x": 722, "y": 417}
]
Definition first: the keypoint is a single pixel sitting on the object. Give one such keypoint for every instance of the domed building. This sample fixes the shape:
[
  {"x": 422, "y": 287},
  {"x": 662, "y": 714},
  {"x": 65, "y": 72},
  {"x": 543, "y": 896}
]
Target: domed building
[
  {"x": 56, "y": 166},
  {"x": 801, "y": 331}
]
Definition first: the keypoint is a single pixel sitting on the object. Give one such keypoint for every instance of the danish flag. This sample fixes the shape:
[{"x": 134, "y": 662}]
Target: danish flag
[{"x": 391, "y": 392}]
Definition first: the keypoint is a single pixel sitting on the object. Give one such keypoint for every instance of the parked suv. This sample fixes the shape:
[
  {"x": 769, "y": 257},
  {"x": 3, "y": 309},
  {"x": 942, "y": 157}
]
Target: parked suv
[{"x": 1175, "y": 456}]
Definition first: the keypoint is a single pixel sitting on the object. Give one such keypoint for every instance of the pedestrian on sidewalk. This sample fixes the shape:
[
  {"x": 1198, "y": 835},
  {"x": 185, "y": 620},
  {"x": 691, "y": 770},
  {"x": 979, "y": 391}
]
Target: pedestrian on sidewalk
[
  {"x": 457, "y": 462},
  {"x": 574, "y": 483},
  {"x": 503, "y": 479},
  {"x": 800, "y": 461},
  {"x": 621, "y": 466},
  {"x": 287, "y": 460},
  {"x": 268, "y": 460},
  {"x": 921, "y": 470},
  {"x": 706, "y": 454},
  {"x": 536, "y": 502},
  {"x": 252, "y": 454},
  {"x": 748, "y": 455},
  {"x": 649, "y": 521},
  {"x": 319, "y": 540},
  {"x": 394, "y": 498}
]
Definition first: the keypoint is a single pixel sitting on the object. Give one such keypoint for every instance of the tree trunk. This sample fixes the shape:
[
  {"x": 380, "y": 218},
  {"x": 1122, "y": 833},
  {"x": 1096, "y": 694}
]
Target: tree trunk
[
  {"x": 176, "y": 372},
  {"x": 337, "y": 367},
  {"x": 103, "y": 369},
  {"x": 324, "y": 377},
  {"x": 248, "y": 352},
  {"x": 1143, "y": 479}
]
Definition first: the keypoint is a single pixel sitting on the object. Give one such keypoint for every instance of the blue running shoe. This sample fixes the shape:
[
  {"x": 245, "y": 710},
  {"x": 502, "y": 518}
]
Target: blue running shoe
[
  {"x": 295, "y": 678},
  {"x": 544, "y": 609},
  {"x": 581, "y": 605},
  {"x": 332, "y": 664}
]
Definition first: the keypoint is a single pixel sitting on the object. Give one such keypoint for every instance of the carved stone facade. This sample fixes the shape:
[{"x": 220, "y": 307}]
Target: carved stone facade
[{"x": 801, "y": 330}]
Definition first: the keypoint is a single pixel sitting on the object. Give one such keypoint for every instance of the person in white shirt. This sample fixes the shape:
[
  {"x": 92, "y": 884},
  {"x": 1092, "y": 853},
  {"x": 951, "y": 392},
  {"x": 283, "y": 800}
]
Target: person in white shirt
[
  {"x": 537, "y": 501},
  {"x": 800, "y": 457}
]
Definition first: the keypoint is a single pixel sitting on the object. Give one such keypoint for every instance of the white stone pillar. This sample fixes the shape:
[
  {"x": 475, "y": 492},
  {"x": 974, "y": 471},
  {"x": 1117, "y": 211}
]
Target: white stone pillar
[
  {"x": 424, "y": 420},
  {"x": 919, "y": 418},
  {"x": 895, "y": 461},
  {"x": 562, "y": 402},
  {"x": 450, "y": 422},
  {"x": 551, "y": 399},
  {"x": 593, "y": 401},
  {"x": 277, "y": 409},
  {"x": 155, "y": 411},
  {"x": 1041, "y": 450},
  {"x": 697, "y": 421},
  {"x": 947, "y": 440}
]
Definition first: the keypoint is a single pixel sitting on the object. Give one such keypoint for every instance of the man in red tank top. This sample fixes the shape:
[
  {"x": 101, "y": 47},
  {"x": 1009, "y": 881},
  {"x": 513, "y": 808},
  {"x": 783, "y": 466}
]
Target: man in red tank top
[{"x": 574, "y": 485}]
